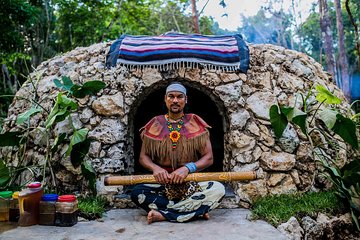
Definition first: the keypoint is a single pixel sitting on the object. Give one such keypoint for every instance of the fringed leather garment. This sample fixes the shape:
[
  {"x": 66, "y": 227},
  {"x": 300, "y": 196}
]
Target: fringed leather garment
[{"x": 158, "y": 145}]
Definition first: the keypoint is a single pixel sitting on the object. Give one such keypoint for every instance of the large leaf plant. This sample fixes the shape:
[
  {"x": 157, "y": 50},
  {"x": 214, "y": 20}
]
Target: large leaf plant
[
  {"x": 77, "y": 142},
  {"x": 324, "y": 106}
]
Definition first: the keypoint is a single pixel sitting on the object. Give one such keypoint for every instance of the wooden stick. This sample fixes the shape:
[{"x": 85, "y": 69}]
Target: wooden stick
[{"x": 197, "y": 177}]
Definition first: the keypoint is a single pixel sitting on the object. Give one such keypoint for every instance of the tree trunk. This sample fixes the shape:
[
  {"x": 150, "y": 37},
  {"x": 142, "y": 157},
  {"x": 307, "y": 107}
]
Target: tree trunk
[
  {"x": 344, "y": 68},
  {"x": 195, "y": 16},
  {"x": 356, "y": 29},
  {"x": 326, "y": 34}
]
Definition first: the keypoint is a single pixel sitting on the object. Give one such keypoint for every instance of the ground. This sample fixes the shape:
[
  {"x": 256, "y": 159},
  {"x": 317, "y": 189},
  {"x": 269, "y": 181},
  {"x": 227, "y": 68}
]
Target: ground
[{"x": 224, "y": 224}]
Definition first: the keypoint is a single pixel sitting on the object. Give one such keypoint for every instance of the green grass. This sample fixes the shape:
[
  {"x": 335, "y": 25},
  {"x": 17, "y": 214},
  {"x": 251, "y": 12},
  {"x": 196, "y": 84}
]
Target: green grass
[
  {"x": 92, "y": 207},
  {"x": 278, "y": 209}
]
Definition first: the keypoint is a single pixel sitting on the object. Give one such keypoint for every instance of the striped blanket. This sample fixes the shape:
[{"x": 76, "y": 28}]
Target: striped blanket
[{"x": 175, "y": 50}]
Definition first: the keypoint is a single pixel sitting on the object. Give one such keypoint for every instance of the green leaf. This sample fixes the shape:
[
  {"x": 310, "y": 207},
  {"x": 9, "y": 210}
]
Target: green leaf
[
  {"x": 89, "y": 174},
  {"x": 328, "y": 116},
  {"x": 4, "y": 174},
  {"x": 78, "y": 136},
  {"x": 10, "y": 139},
  {"x": 88, "y": 88},
  {"x": 351, "y": 173},
  {"x": 79, "y": 152},
  {"x": 288, "y": 112},
  {"x": 22, "y": 117},
  {"x": 324, "y": 95},
  {"x": 278, "y": 120},
  {"x": 66, "y": 83},
  {"x": 65, "y": 102},
  {"x": 61, "y": 110},
  {"x": 57, "y": 117},
  {"x": 58, "y": 140},
  {"x": 58, "y": 83},
  {"x": 346, "y": 129},
  {"x": 300, "y": 120},
  {"x": 355, "y": 219}
]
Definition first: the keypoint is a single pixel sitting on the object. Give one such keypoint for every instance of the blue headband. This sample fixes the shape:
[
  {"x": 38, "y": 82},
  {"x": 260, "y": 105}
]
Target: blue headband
[{"x": 176, "y": 87}]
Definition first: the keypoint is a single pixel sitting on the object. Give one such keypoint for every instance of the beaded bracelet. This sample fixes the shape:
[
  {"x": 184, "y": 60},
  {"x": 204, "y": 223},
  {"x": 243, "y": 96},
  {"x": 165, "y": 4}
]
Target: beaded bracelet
[{"x": 191, "y": 166}]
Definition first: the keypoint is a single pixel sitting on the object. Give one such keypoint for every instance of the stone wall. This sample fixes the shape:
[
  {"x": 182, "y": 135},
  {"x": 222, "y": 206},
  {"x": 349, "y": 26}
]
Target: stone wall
[{"x": 276, "y": 74}]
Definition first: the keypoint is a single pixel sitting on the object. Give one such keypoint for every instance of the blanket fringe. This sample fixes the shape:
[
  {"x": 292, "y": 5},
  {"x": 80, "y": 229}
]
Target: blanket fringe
[{"x": 180, "y": 64}]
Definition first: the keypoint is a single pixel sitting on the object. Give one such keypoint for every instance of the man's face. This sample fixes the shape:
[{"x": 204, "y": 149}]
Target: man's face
[{"x": 175, "y": 101}]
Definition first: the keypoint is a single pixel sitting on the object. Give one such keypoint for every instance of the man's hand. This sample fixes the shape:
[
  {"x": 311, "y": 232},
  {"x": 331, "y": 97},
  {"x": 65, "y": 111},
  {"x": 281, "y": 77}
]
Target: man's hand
[
  {"x": 178, "y": 176},
  {"x": 161, "y": 175}
]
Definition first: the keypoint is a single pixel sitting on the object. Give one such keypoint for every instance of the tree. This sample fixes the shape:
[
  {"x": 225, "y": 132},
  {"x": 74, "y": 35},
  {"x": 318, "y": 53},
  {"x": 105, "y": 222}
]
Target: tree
[
  {"x": 342, "y": 52},
  {"x": 326, "y": 33},
  {"x": 195, "y": 16},
  {"x": 356, "y": 30},
  {"x": 16, "y": 17}
]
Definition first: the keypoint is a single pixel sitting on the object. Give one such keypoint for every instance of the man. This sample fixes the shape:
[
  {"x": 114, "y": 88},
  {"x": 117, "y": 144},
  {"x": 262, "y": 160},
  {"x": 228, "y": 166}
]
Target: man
[{"x": 175, "y": 145}]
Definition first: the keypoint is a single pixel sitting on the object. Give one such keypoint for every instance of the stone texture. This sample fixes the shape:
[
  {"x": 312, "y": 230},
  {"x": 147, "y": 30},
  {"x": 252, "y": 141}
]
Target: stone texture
[
  {"x": 291, "y": 229},
  {"x": 247, "y": 192},
  {"x": 289, "y": 141},
  {"x": 109, "y": 131},
  {"x": 239, "y": 118},
  {"x": 259, "y": 103},
  {"x": 109, "y": 105},
  {"x": 276, "y": 161}
]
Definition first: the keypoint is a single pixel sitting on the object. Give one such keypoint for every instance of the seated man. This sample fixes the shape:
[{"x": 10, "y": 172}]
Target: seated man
[{"x": 175, "y": 145}]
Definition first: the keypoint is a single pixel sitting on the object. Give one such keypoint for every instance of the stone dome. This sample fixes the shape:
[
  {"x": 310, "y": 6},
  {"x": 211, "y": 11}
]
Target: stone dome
[{"x": 236, "y": 105}]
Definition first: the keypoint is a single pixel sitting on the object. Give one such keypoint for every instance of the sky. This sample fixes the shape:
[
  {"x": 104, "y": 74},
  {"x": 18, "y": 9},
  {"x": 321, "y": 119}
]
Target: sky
[{"x": 246, "y": 7}]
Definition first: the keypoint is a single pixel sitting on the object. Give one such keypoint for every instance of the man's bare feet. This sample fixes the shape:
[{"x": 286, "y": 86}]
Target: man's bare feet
[
  {"x": 206, "y": 216},
  {"x": 155, "y": 216}
]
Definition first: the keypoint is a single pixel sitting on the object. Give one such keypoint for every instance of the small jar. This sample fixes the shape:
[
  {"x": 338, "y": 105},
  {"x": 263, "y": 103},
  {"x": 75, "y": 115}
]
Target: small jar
[
  {"x": 14, "y": 211},
  {"x": 47, "y": 210},
  {"x": 5, "y": 198},
  {"x": 66, "y": 211}
]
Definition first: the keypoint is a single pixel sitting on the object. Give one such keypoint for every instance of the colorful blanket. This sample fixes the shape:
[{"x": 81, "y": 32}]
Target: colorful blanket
[{"x": 175, "y": 50}]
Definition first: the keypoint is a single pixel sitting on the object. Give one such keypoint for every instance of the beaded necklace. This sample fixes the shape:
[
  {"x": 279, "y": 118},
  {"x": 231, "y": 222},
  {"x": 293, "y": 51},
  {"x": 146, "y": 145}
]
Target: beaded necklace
[{"x": 174, "y": 133}]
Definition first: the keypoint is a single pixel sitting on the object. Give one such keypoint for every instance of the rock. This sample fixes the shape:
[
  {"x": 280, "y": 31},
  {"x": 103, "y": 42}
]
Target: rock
[
  {"x": 253, "y": 128},
  {"x": 95, "y": 148},
  {"x": 266, "y": 137},
  {"x": 226, "y": 78},
  {"x": 247, "y": 167},
  {"x": 291, "y": 229},
  {"x": 241, "y": 141},
  {"x": 304, "y": 152},
  {"x": 109, "y": 105},
  {"x": 299, "y": 68},
  {"x": 312, "y": 229},
  {"x": 86, "y": 115},
  {"x": 289, "y": 141},
  {"x": 243, "y": 157},
  {"x": 260, "y": 102},
  {"x": 210, "y": 79},
  {"x": 283, "y": 184},
  {"x": 116, "y": 152},
  {"x": 229, "y": 92},
  {"x": 108, "y": 131},
  {"x": 277, "y": 161},
  {"x": 151, "y": 76},
  {"x": 107, "y": 165},
  {"x": 249, "y": 191},
  {"x": 239, "y": 118}
]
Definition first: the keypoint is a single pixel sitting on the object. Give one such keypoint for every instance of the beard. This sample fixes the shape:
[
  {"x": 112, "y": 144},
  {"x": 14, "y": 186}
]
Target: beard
[{"x": 175, "y": 111}]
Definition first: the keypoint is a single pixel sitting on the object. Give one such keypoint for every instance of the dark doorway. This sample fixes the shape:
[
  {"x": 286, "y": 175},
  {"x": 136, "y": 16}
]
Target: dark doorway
[{"x": 199, "y": 103}]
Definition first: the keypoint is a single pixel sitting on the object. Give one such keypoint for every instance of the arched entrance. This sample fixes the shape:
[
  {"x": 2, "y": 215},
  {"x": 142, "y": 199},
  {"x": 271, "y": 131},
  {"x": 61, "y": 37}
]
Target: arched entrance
[{"x": 199, "y": 103}]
